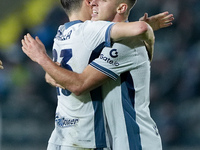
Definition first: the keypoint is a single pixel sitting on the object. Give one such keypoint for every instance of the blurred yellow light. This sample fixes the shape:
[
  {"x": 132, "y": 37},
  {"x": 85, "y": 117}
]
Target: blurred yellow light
[
  {"x": 31, "y": 14},
  {"x": 35, "y": 11},
  {"x": 10, "y": 28}
]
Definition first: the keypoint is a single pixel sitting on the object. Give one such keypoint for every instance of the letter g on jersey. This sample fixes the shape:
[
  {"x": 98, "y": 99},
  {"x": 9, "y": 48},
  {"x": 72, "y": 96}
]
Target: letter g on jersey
[{"x": 114, "y": 53}]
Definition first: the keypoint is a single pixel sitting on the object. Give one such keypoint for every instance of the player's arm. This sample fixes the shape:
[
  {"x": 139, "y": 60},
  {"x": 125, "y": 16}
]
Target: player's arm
[
  {"x": 135, "y": 31},
  {"x": 161, "y": 20},
  {"x": 139, "y": 29},
  {"x": 74, "y": 82},
  {"x": 79, "y": 83},
  {"x": 1, "y": 65}
]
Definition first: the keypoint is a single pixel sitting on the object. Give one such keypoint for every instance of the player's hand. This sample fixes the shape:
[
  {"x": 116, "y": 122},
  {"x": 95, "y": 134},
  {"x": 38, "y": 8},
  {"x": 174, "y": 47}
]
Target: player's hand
[
  {"x": 1, "y": 65},
  {"x": 158, "y": 21},
  {"x": 33, "y": 48}
]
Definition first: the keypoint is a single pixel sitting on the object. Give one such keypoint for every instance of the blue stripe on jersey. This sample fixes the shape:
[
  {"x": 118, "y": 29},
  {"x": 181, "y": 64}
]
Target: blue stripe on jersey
[
  {"x": 96, "y": 96},
  {"x": 128, "y": 102},
  {"x": 96, "y": 52},
  {"x": 108, "y": 38},
  {"x": 69, "y": 24},
  {"x": 98, "y": 118},
  {"x": 104, "y": 70}
]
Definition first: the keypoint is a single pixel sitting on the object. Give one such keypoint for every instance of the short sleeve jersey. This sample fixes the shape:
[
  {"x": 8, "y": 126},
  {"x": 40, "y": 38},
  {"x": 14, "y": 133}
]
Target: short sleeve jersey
[
  {"x": 126, "y": 98},
  {"x": 79, "y": 120}
]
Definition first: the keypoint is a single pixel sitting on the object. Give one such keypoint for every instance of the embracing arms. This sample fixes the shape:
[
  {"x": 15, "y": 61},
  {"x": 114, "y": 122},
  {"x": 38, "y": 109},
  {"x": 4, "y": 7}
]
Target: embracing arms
[
  {"x": 58, "y": 76},
  {"x": 77, "y": 83},
  {"x": 90, "y": 78}
]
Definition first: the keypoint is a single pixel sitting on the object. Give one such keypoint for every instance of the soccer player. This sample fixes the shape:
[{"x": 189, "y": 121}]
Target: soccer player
[
  {"x": 1, "y": 65},
  {"x": 79, "y": 120},
  {"x": 115, "y": 143},
  {"x": 126, "y": 100}
]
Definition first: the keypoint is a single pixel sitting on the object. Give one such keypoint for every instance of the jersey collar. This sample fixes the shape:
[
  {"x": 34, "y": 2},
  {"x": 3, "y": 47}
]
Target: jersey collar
[{"x": 68, "y": 24}]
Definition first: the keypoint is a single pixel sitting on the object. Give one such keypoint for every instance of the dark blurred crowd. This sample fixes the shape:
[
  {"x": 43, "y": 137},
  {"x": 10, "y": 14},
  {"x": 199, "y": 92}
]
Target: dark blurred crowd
[{"x": 175, "y": 72}]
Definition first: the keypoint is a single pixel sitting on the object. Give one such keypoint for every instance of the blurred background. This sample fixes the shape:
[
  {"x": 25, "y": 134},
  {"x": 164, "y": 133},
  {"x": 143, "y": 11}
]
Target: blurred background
[{"x": 27, "y": 102}]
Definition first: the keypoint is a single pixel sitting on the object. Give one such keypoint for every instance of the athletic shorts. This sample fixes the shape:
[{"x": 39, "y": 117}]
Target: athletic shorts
[{"x": 61, "y": 147}]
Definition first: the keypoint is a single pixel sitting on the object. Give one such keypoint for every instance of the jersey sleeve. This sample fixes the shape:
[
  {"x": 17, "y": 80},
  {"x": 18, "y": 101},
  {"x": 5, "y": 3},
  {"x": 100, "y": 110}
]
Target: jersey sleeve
[
  {"x": 96, "y": 33},
  {"x": 116, "y": 60}
]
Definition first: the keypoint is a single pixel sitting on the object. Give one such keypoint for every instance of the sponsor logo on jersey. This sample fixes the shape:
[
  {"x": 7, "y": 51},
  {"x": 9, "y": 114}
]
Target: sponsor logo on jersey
[
  {"x": 113, "y": 54},
  {"x": 65, "y": 122},
  {"x": 68, "y": 35},
  {"x": 61, "y": 36}
]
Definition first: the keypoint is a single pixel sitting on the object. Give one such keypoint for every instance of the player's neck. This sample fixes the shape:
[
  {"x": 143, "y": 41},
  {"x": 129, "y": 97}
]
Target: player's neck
[
  {"x": 75, "y": 17},
  {"x": 120, "y": 18},
  {"x": 81, "y": 15}
]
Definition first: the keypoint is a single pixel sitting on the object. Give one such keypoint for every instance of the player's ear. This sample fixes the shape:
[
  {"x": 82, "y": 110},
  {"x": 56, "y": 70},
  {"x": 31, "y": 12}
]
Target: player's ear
[
  {"x": 88, "y": 2},
  {"x": 122, "y": 8}
]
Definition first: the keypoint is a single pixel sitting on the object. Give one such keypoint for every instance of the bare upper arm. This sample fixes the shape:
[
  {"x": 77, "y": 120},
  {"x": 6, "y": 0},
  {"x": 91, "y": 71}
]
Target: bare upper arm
[{"x": 123, "y": 30}]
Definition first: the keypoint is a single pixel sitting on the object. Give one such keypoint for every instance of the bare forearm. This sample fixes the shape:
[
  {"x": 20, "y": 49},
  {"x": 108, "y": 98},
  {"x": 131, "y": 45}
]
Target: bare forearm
[
  {"x": 67, "y": 79},
  {"x": 148, "y": 35},
  {"x": 74, "y": 82},
  {"x": 78, "y": 84}
]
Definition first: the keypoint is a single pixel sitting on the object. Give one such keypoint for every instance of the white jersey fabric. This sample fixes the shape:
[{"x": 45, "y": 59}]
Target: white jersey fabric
[
  {"x": 126, "y": 100},
  {"x": 79, "y": 120}
]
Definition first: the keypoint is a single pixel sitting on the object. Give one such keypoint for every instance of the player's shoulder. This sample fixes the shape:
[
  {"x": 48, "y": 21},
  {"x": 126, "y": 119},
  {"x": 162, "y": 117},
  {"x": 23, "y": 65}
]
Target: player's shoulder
[
  {"x": 96, "y": 24},
  {"x": 60, "y": 32},
  {"x": 64, "y": 31}
]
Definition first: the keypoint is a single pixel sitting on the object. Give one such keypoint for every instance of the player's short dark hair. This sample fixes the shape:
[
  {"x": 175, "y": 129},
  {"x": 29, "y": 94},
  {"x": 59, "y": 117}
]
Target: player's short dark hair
[
  {"x": 130, "y": 3},
  {"x": 71, "y": 5}
]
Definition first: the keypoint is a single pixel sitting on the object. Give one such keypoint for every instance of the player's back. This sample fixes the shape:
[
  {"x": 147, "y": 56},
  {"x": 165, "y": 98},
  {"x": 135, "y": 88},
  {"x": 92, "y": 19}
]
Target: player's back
[{"x": 75, "y": 123}]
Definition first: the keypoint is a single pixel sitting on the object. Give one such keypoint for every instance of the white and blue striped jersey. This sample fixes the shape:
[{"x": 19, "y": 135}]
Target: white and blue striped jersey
[
  {"x": 79, "y": 120},
  {"x": 126, "y": 100}
]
